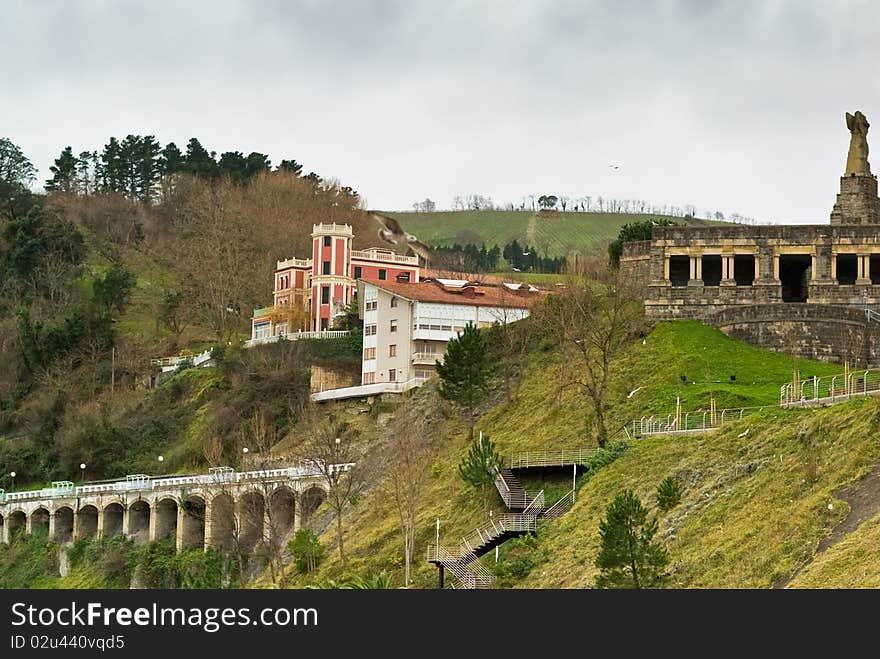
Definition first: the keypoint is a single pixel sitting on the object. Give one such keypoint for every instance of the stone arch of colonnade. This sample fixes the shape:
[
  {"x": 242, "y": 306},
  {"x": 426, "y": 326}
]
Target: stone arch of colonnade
[{"x": 224, "y": 519}]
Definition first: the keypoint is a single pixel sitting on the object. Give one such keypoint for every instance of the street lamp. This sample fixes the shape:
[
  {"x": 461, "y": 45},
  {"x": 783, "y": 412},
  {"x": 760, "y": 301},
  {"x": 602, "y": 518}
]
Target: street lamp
[
  {"x": 161, "y": 458},
  {"x": 82, "y": 472},
  {"x": 12, "y": 476}
]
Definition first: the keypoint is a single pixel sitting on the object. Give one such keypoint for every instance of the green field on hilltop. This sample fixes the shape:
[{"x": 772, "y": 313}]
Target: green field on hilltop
[{"x": 553, "y": 233}]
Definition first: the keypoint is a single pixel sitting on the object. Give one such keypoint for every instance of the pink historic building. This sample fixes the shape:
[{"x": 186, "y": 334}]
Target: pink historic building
[{"x": 310, "y": 293}]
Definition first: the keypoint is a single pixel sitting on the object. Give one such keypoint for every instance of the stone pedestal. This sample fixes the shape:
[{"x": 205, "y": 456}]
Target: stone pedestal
[{"x": 857, "y": 202}]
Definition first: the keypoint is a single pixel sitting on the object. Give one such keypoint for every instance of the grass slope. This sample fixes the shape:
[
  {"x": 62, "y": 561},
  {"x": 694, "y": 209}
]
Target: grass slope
[
  {"x": 553, "y": 233},
  {"x": 753, "y": 509}
]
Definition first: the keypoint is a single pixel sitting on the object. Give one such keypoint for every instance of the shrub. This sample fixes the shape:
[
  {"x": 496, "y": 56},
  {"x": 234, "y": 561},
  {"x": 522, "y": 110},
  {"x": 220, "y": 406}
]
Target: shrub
[{"x": 668, "y": 494}]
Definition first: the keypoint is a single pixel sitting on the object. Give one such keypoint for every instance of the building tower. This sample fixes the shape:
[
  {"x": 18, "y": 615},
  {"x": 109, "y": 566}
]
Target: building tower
[{"x": 331, "y": 282}]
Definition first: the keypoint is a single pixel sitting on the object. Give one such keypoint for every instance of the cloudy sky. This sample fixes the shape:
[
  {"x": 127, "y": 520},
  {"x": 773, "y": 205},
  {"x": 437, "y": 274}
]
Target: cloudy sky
[{"x": 735, "y": 106}]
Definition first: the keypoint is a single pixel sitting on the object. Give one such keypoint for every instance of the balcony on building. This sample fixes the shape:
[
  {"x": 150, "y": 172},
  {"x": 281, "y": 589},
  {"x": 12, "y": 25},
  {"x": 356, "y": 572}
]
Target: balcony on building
[
  {"x": 332, "y": 229},
  {"x": 384, "y": 255},
  {"x": 427, "y": 357},
  {"x": 293, "y": 263}
]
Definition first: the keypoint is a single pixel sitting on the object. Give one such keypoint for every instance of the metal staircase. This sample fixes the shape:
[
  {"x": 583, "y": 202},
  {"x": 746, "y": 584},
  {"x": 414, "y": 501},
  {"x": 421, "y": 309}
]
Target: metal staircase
[{"x": 463, "y": 562}]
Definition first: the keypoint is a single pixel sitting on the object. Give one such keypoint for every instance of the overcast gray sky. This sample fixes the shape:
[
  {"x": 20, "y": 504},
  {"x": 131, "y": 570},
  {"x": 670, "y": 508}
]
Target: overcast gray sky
[{"x": 736, "y": 106}]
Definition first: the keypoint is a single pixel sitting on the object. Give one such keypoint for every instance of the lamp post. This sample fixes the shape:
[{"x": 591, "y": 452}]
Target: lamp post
[
  {"x": 82, "y": 472},
  {"x": 12, "y": 476}
]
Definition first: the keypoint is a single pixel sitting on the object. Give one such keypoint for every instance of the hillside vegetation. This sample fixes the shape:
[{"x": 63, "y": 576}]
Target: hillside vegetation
[
  {"x": 754, "y": 507},
  {"x": 552, "y": 233}
]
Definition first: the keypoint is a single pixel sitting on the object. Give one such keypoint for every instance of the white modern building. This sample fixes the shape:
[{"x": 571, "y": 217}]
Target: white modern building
[{"x": 408, "y": 324}]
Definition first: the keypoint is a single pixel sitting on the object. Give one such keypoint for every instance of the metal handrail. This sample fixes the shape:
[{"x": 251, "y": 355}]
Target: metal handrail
[
  {"x": 563, "y": 505},
  {"x": 549, "y": 458},
  {"x": 145, "y": 482}
]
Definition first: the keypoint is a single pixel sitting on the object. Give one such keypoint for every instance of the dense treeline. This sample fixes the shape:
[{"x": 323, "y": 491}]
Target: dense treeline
[
  {"x": 136, "y": 165},
  {"x": 470, "y": 258},
  {"x": 135, "y": 252}
]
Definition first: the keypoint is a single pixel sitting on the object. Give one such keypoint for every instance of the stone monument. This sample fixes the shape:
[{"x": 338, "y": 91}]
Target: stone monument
[{"x": 857, "y": 202}]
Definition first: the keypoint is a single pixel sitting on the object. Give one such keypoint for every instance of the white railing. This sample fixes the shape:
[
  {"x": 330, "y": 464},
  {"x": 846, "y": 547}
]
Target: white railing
[
  {"x": 331, "y": 229},
  {"x": 562, "y": 506},
  {"x": 872, "y": 315},
  {"x": 293, "y": 263},
  {"x": 360, "y": 390},
  {"x": 391, "y": 257},
  {"x": 66, "y": 489},
  {"x": 688, "y": 422},
  {"x": 297, "y": 336},
  {"x": 830, "y": 389},
  {"x": 497, "y": 526},
  {"x": 170, "y": 363},
  {"x": 427, "y": 357},
  {"x": 551, "y": 458}
]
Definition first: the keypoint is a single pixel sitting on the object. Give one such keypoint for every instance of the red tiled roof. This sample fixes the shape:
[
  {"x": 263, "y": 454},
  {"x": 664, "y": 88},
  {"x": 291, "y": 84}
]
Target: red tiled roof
[{"x": 476, "y": 295}]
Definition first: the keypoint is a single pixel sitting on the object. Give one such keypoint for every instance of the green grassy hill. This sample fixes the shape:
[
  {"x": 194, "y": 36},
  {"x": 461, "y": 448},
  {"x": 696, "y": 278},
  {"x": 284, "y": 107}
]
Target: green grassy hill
[
  {"x": 552, "y": 233},
  {"x": 753, "y": 509}
]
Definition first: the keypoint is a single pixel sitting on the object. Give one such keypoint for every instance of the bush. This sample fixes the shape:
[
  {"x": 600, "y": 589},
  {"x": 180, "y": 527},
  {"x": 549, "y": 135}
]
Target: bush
[
  {"x": 668, "y": 494},
  {"x": 306, "y": 550}
]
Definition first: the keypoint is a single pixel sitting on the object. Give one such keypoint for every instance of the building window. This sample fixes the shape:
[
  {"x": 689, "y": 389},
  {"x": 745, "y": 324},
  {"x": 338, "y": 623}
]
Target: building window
[
  {"x": 358, "y": 272},
  {"x": 326, "y": 241},
  {"x": 323, "y": 324},
  {"x": 283, "y": 282},
  {"x": 370, "y": 378},
  {"x": 393, "y": 327},
  {"x": 369, "y": 353},
  {"x": 383, "y": 274},
  {"x": 325, "y": 295},
  {"x": 393, "y": 301},
  {"x": 392, "y": 350},
  {"x": 326, "y": 268},
  {"x": 369, "y": 330},
  {"x": 392, "y": 375}
]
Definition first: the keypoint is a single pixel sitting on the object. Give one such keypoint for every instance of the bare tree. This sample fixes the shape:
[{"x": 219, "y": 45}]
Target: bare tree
[
  {"x": 409, "y": 450},
  {"x": 593, "y": 321},
  {"x": 332, "y": 449}
]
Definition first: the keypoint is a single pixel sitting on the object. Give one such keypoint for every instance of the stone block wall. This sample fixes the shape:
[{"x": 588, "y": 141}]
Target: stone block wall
[
  {"x": 635, "y": 265},
  {"x": 815, "y": 331},
  {"x": 335, "y": 377}
]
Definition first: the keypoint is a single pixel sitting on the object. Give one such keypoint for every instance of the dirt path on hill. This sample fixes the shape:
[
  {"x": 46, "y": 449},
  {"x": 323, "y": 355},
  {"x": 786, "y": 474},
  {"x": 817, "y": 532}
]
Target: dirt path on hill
[
  {"x": 531, "y": 230},
  {"x": 863, "y": 498}
]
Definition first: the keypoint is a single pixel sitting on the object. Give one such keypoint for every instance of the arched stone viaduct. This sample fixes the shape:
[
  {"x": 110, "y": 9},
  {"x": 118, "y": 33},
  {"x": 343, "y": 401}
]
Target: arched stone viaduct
[{"x": 224, "y": 508}]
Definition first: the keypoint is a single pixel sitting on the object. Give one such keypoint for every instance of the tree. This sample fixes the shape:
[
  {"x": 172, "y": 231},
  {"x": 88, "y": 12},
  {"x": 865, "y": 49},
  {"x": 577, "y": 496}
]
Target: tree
[
  {"x": 14, "y": 165},
  {"x": 172, "y": 160},
  {"x": 632, "y": 232},
  {"x": 306, "y": 550},
  {"x": 349, "y": 320},
  {"x": 480, "y": 466},
  {"x": 332, "y": 448},
  {"x": 63, "y": 173},
  {"x": 465, "y": 372},
  {"x": 593, "y": 320},
  {"x": 113, "y": 290},
  {"x": 291, "y": 166},
  {"x": 668, "y": 494},
  {"x": 546, "y": 202},
  {"x": 409, "y": 452},
  {"x": 628, "y": 557},
  {"x": 173, "y": 313}
]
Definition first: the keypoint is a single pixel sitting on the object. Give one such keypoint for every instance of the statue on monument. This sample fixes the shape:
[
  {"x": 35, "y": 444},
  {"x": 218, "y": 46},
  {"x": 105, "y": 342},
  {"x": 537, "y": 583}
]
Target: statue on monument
[{"x": 857, "y": 158}]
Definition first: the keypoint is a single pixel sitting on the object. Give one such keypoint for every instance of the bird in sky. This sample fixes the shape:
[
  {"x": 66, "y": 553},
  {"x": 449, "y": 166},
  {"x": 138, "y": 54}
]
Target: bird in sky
[
  {"x": 391, "y": 232},
  {"x": 614, "y": 167}
]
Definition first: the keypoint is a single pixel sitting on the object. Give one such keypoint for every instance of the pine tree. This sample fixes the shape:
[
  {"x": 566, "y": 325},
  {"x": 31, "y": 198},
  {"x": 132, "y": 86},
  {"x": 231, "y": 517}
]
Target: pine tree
[
  {"x": 172, "y": 160},
  {"x": 629, "y": 558},
  {"x": 63, "y": 173},
  {"x": 480, "y": 466},
  {"x": 465, "y": 371}
]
